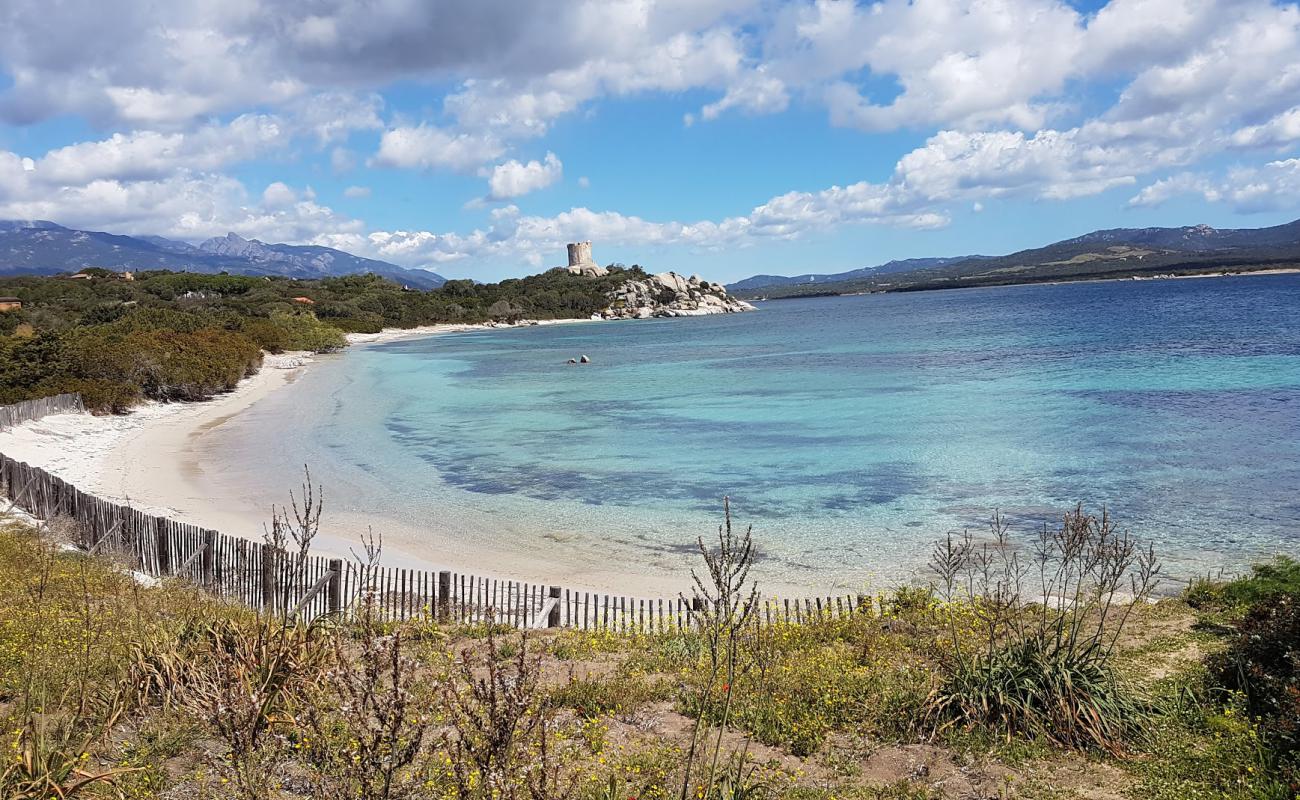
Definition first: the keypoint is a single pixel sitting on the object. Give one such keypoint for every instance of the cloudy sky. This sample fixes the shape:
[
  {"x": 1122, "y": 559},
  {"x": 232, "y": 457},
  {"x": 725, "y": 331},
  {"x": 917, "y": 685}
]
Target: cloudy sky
[{"x": 727, "y": 137}]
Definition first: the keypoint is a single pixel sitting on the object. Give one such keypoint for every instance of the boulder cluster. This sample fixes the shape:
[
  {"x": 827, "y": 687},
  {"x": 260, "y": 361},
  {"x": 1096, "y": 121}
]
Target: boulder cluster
[{"x": 671, "y": 295}]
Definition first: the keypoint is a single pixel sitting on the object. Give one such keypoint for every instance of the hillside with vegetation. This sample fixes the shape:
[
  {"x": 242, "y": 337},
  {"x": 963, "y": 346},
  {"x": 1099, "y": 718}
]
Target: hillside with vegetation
[
  {"x": 955, "y": 690},
  {"x": 1108, "y": 254},
  {"x": 185, "y": 336}
]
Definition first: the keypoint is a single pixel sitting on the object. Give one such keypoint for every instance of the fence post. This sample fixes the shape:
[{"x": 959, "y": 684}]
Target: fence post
[
  {"x": 268, "y": 577},
  {"x": 864, "y": 604},
  {"x": 336, "y": 585},
  {"x": 553, "y": 618},
  {"x": 697, "y": 605},
  {"x": 444, "y": 596},
  {"x": 207, "y": 561},
  {"x": 163, "y": 547}
]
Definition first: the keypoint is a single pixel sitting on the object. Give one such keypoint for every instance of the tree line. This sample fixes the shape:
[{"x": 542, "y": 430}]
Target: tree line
[{"x": 177, "y": 336}]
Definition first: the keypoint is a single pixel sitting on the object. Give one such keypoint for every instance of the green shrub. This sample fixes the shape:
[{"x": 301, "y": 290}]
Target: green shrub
[
  {"x": 165, "y": 364},
  {"x": 302, "y": 331},
  {"x": 361, "y": 322},
  {"x": 596, "y": 695},
  {"x": 1262, "y": 662},
  {"x": 1047, "y": 669},
  {"x": 98, "y": 395},
  {"x": 1266, "y": 582},
  {"x": 1198, "y": 749}
]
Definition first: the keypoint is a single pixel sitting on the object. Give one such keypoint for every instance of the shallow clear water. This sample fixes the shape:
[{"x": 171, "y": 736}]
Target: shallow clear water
[{"x": 852, "y": 432}]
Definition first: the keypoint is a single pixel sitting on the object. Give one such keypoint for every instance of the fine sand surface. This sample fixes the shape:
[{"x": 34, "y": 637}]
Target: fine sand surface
[{"x": 156, "y": 459}]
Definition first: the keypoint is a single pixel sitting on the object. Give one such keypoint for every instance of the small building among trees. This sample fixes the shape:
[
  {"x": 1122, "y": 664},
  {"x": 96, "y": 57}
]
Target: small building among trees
[{"x": 10, "y": 304}]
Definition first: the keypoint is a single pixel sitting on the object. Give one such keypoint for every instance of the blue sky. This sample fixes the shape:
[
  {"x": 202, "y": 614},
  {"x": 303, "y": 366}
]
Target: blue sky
[{"x": 725, "y": 137}]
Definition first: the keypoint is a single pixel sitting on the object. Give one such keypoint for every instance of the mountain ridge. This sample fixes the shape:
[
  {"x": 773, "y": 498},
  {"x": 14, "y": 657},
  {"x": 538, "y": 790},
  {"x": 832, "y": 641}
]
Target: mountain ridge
[
  {"x": 887, "y": 268},
  {"x": 42, "y": 247},
  {"x": 1113, "y": 252}
]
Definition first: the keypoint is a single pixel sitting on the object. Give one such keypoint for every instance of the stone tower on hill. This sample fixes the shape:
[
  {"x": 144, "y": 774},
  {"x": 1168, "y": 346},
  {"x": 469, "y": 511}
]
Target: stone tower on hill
[{"x": 581, "y": 263}]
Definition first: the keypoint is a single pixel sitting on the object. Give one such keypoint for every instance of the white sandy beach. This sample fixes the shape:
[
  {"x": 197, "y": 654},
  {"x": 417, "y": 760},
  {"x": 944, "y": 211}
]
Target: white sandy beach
[{"x": 155, "y": 459}]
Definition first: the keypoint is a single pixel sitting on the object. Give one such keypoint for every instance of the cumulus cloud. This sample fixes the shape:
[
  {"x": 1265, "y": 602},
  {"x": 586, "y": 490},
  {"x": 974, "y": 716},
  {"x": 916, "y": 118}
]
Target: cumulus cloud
[
  {"x": 356, "y": 192},
  {"x": 1274, "y": 186},
  {"x": 429, "y": 147},
  {"x": 1015, "y": 98},
  {"x": 144, "y": 63},
  {"x": 150, "y": 154},
  {"x": 185, "y": 206},
  {"x": 332, "y": 115},
  {"x": 756, "y": 92},
  {"x": 278, "y": 195},
  {"x": 788, "y": 216},
  {"x": 1281, "y": 131},
  {"x": 515, "y": 179}
]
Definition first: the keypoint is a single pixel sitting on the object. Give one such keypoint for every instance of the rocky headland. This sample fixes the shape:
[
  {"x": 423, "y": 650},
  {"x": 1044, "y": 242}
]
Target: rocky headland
[{"x": 668, "y": 294}]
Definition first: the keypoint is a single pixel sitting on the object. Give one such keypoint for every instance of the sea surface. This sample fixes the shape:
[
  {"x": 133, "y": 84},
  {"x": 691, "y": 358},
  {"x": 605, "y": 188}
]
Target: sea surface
[{"x": 851, "y": 432}]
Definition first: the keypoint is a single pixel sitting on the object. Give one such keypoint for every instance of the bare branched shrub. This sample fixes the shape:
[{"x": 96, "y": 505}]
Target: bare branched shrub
[
  {"x": 298, "y": 523},
  {"x": 364, "y": 721},
  {"x": 1038, "y": 658},
  {"x": 725, "y": 601},
  {"x": 500, "y": 744},
  {"x": 242, "y": 682}
]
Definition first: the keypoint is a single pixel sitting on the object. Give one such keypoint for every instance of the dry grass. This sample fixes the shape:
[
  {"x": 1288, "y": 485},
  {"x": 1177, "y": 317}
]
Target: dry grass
[{"x": 109, "y": 689}]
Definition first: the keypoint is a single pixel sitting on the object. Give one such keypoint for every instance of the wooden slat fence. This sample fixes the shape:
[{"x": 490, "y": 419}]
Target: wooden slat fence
[
  {"x": 29, "y": 410},
  {"x": 262, "y": 577}
]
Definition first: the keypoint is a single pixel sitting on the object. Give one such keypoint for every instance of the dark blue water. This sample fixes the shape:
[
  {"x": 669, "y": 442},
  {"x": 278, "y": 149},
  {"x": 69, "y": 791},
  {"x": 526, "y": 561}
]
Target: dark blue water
[{"x": 852, "y": 431}]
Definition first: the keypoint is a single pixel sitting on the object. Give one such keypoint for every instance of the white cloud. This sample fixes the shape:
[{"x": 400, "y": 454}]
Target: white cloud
[
  {"x": 1050, "y": 164},
  {"x": 1280, "y": 131},
  {"x": 1162, "y": 190},
  {"x": 332, "y": 116},
  {"x": 187, "y": 207},
  {"x": 278, "y": 195},
  {"x": 357, "y": 192},
  {"x": 756, "y": 92},
  {"x": 515, "y": 179},
  {"x": 1274, "y": 186},
  {"x": 1011, "y": 96},
  {"x": 143, "y": 63},
  {"x": 429, "y": 147},
  {"x": 342, "y": 160},
  {"x": 150, "y": 154},
  {"x": 789, "y": 216}
]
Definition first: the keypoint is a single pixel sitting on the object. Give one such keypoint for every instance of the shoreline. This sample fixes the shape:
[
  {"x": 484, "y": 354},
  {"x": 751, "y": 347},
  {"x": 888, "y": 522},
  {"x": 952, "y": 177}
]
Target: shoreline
[
  {"x": 1059, "y": 282},
  {"x": 155, "y": 459}
]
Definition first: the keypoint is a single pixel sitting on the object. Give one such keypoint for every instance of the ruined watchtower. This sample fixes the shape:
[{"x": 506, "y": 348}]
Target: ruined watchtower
[{"x": 581, "y": 263}]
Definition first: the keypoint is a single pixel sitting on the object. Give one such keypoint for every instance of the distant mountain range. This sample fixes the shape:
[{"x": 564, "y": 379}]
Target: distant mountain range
[
  {"x": 888, "y": 268},
  {"x": 38, "y": 247},
  {"x": 1119, "y": 252}
]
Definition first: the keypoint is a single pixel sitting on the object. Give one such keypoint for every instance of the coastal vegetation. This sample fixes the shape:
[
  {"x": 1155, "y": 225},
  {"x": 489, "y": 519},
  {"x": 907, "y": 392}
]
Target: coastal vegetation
[
  {"x": 186, "y": 336},
  {"x": 1121, "y": 253},
  {"x": 958, "y": 689}
]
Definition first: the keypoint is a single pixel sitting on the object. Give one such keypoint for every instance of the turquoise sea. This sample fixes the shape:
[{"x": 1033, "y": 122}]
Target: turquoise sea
[{"x": 851, "y": 432}]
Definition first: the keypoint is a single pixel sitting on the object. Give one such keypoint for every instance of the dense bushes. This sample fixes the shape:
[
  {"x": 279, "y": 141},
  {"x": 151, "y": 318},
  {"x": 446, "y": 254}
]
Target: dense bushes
[
  {"x": 1266, "y": 582},
  {"x": 352, "y": 303},
  {"x": 1262, "y": 662},
  {"x": 283, "y": 331},
  {"x": 186, "y": 336},
  {"x": 157, "y": 354}
]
